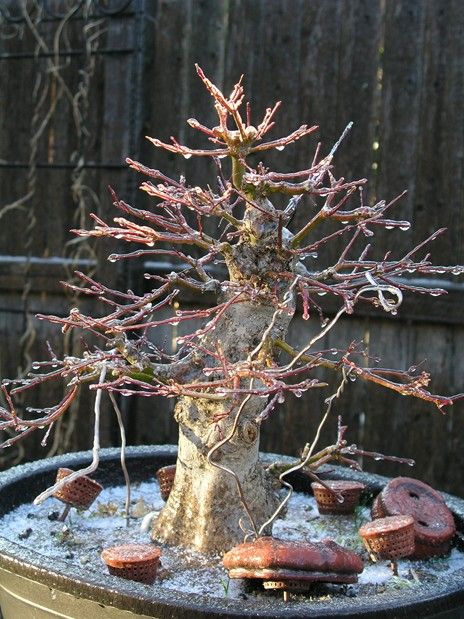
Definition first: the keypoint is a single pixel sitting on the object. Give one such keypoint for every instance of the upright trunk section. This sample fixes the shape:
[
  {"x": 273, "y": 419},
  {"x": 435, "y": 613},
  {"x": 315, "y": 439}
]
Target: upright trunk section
[
  {"x": 221, "y": 492},
  {"x": 205, "y": 509},
  {"x": 220, "y": 495}
]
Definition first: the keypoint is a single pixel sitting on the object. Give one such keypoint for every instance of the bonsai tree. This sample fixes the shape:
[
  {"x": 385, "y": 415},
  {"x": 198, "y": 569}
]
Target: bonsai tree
[{"x": 231, "y": 373}]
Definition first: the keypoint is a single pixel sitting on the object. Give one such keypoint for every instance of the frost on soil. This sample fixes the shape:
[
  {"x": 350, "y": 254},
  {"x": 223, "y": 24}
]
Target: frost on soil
[{"x": 81, "y": 539}]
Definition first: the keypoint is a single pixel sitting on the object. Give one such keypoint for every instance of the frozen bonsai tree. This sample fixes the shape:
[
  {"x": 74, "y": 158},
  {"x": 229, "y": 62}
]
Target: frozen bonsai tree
[{"x": 231, "y": 373}]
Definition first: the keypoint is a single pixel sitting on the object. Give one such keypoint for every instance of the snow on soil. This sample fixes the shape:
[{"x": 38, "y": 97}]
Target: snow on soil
[{"x": 81, "y": 539}]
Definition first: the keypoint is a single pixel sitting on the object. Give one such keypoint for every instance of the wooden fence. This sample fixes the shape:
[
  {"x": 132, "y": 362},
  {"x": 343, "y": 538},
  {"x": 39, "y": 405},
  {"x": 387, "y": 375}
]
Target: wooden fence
[{"x": 80, "y": 88}]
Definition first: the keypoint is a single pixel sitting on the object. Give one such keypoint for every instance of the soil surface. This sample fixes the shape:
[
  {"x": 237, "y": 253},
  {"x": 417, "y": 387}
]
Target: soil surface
[{"x": 82, "y": 537}]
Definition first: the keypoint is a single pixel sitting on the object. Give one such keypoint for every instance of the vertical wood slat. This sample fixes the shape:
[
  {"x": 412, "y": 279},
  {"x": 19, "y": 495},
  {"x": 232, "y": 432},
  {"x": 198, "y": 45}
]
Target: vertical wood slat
[
  {"x": 339, "y": 64},
  {"x": 339, "y": 61},
  {"x": 402, "y": 82},
  {"x": 440, "y": 157}
]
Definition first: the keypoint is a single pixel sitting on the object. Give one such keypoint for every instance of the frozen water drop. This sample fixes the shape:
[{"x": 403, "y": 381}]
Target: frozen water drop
[
  {"x": 187, "y": 155},
  {"x": 280, "y": 147},
  {"x": 112, "y": 258},
  {"x": 309, "y": 255},
  {"x": 405, "y": 226},
  {"x": 389, "y": 227},
  {"x": 321, "y": 293}
]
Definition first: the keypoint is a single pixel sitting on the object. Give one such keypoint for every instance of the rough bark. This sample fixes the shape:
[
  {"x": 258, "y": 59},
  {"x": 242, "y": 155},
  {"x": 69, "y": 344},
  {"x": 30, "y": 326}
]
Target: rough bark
[{"x": 205, "y": 510}]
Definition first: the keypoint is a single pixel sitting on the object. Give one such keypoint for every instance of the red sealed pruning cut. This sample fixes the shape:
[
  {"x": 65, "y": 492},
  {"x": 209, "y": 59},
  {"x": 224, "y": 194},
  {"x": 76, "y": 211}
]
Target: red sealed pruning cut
[
  {"x": 80, "y": 493},
  {"x": 165, "y": 476},
  {"x": 389, "y": 538},
  {"x": 289, "y": 565},
  {"x": 133, "y": 561},
  {"x": 328, "y": 500},
  {"x": 434, "y": 526}
]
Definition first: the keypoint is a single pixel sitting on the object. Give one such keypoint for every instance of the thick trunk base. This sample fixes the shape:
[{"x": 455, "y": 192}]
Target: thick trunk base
[{"x": 204, "y": 510}]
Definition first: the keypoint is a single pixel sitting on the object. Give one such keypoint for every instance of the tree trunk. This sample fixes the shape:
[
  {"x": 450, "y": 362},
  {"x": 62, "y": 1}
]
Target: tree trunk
[{"x": 204, "y": 510}]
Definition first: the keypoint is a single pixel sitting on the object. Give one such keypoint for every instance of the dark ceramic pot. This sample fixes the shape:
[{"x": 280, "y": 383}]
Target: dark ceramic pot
[{"x": 32, "y": 585}]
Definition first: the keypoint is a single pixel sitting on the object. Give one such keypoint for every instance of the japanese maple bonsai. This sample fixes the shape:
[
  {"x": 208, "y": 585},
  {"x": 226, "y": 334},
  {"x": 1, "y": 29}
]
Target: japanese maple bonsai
[{"x": 230, "y": 374}]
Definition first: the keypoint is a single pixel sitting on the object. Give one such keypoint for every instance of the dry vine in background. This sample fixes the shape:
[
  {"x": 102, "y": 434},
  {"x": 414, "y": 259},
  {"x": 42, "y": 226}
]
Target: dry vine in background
[
  {"x": 230, "y": 374},
  {"x": 50, "y": 89}
]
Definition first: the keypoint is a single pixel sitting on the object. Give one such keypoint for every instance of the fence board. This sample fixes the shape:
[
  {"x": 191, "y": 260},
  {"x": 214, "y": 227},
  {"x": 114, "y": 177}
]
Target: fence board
[
  {"x": 402, "y": 83},
  {"x": 439, "y": 173}
]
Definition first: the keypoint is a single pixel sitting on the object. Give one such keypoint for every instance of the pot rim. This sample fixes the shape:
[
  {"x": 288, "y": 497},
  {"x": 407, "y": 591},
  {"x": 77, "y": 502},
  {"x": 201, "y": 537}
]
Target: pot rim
[{"x": 446, "y": 594}]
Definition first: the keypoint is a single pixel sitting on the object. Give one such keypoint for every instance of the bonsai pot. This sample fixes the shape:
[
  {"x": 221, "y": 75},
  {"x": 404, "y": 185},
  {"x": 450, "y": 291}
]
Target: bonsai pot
[{"x": 32, "y": 585}]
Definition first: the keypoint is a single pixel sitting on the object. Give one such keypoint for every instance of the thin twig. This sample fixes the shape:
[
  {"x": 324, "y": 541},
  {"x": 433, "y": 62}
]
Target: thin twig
[
  {"x": 95, "y": 450},
  {"x": 122, "y": 432}
]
